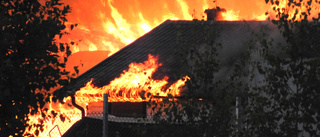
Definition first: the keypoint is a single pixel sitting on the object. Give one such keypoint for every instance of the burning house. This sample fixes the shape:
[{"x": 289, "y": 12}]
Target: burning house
[{"x": 155, "y": 62}]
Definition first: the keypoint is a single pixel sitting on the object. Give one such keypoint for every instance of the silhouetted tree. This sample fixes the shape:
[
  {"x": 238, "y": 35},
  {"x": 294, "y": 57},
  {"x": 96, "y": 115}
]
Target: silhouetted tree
[
  {"x": 31, "y": 62},
  {"x": 286, "y": 99},
  {"x": 279, "y": 94}
]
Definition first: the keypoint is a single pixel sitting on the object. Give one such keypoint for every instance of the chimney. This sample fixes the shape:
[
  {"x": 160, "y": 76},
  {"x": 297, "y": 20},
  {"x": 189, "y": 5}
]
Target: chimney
[{"x": 214, "y": 14}]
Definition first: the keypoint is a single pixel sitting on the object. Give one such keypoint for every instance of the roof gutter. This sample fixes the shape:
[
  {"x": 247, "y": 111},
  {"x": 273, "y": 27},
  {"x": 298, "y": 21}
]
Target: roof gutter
[{"x": 73, "y": 100}]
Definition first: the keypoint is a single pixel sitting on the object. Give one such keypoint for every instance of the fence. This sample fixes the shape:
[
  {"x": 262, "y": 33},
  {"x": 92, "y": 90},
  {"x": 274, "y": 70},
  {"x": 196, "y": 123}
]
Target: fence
[
  {"x": 135, "y": 119},
  {"x": 122, "y": 125}
]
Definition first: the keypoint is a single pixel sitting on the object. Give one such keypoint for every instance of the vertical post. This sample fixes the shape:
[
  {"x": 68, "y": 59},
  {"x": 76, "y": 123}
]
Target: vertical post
[
  {"x": 238, "y": 115},
  {"x": 105, "y": 116}
]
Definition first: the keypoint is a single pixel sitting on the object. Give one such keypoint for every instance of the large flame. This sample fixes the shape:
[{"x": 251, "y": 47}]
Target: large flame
[
  {"x": 109, "y": 25},
  {"x": 112, "y": 24},
  {"x": 297, "y": 12},
  {"x": 133, "y": 85},
  {"x": 59, "y": 118}
]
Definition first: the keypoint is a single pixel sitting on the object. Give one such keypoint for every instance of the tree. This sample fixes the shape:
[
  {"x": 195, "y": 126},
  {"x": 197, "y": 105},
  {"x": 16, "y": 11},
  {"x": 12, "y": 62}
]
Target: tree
[
  {"x": 31, "y": 62},
  {"x": 208, "y": 107},
  {"x": 286, "y": 101},
  {"x": 279, "y": 93}
]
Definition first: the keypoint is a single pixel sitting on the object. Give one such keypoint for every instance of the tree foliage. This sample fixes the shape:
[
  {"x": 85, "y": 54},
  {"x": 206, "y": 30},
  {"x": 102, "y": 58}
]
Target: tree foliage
[
  {"x": 31, "y": 62},
  {"x": 285, "y": 102},
  {"x": 208, "y": 107},
  {"x": 273, "y": 90}
]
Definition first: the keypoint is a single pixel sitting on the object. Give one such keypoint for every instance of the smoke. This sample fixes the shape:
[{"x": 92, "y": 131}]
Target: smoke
[{"x": 242, "y": 41}]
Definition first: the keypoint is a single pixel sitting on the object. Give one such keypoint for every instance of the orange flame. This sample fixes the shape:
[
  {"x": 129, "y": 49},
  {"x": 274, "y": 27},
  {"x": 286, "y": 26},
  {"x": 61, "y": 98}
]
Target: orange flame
[
  {"x": 307, "y": 7},
  {"x": 53, "y": 125},
  {"x": 230, "y": 15},
  {"x": 110, "y": 25},
  {"x": 133, "y": 85}
]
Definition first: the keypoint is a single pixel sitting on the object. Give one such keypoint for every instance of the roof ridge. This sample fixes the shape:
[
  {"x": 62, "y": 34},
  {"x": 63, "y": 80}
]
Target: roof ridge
[{"x": 88, "y": 72}]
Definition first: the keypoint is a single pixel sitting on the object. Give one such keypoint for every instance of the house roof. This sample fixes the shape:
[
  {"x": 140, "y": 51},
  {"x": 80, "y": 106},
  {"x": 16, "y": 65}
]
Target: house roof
[
  {"x": 168, "y": 41},
  {"x": 86, "y": 127},
  {"x": 165, "y": 41}
]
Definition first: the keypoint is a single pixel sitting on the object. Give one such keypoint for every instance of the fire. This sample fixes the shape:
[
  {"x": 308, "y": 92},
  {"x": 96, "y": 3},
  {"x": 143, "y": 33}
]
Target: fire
[
  {"x": 308, "y": 7},
  {"x": 133, "y": 85},
  {"x": 234, "y": 16},
  {"x": 230, "y": 15},
  {"x": 53, "y": 125},
  {"x": 110, "y": 25}
]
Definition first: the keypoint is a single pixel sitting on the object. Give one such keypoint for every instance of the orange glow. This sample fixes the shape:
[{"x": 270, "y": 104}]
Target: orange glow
[
  {"x": 54, "y": 123},
  {"x": 107, "y": 26},
  {"x": 112, "y": 24},
  {"x": 295, "y": 12},
  {"x": 230, "y": 15},
  {"x": 131, "y": 85}
]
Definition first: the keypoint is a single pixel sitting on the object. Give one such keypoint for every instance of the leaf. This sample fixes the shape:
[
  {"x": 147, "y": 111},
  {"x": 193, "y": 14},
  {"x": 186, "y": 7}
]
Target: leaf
[
  {"x": 68, "y": 51},
  {"x": 37, "y": 132},
  {"x": 62, "y": 118},
  {"x": 61, "y": 47},
  {"x": 54, "y": 113},
  {"x": 309, "y": 2},
  {"x": 142, "y": 94},
  {"x": 54, "y": 48},
  {"x": 76, "y": 69},
  {"x": 63, "y": 82}
]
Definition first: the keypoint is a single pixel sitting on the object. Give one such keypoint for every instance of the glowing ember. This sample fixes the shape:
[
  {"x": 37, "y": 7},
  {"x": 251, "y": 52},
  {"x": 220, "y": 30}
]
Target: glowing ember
[{"x": 133, "y": 85}]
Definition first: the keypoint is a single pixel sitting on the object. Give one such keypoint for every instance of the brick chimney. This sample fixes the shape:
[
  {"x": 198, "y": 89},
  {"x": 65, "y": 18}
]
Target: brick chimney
[{"x": 214, "y": 14}]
